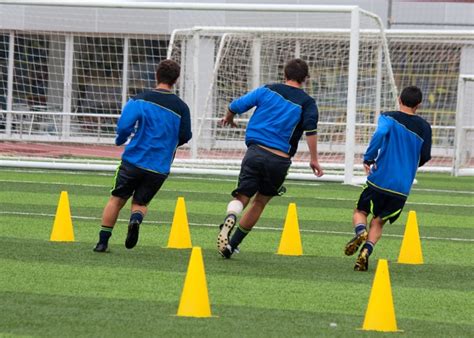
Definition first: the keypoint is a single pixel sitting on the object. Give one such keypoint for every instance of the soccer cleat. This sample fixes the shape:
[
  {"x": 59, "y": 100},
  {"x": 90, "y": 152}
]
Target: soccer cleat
[
  {"x": 362, "y": 262},
  {"x": 100, "y": 247},
  {"x": 227, "y": 251},
  {"x": 132, "y": 235},
  {"x": 353, "y": 245},
  {"x": 225, "y": 231}
]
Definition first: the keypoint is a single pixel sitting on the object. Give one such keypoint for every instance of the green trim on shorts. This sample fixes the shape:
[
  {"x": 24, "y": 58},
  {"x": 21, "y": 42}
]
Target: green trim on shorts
[
  {"x": 115, "y": 177},
  {"x": 392, "y": 215},
  {"x": 372, "y": 207}
]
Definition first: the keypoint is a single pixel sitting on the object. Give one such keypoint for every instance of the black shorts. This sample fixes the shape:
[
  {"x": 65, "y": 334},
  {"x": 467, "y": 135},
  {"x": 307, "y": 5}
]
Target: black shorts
[
  {"x": 262, "y": 171},
  {"x": 385, "y": 206},
  {"x": 142, "y": 184}
]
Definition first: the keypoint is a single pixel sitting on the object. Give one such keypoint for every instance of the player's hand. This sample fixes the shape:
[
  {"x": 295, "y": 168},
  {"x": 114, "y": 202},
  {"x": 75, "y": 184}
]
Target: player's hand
[
  {"x": 228, "y": 122},
  {"x": 316, "y": 167},
  {"x": 369, "y": 168}
]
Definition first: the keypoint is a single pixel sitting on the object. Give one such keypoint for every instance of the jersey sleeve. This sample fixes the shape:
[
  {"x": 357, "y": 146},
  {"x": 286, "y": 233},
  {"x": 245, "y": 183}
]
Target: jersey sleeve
[
  {"x": 425, "y": 155},
  {"x": 310, "y": 117},
  {"x": 126, "y": 123},
  {"x": 383, "y": 128},
  {"x": 246, "y": 102},
  {"x": 185, "y": 133}
]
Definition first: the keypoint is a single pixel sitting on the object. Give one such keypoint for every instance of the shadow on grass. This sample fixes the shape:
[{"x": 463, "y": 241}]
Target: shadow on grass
[
  {"x": 257, "y": 264},
  {"x": 55, "y": 316}
]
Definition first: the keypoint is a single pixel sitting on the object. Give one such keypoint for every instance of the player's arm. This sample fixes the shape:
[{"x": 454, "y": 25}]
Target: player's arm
[
  {"x": 185, "y": 133},
  {"x": 240, "y": 106},
  {"x": 126, "y": 123},
  {"x": 310, "y": 126},
  {"x": 425, "y": 155},
  {"x": 383, "y": 128}
]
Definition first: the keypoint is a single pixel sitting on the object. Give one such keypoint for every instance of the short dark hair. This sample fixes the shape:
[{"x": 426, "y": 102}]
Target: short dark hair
[
  {"x": 168, "y": 72},
  {"x": 411, "y": 96},
  {"x": 296, "y": 70}
]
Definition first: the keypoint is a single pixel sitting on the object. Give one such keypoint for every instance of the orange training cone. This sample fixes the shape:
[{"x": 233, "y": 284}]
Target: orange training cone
[
  {"x": 380, "y": 314},
  {"x": 410, "y": 251},
  {"x": 62, "y": 227},
  {"x": 290, "y": 243},
  {"x": 180, "y": 237},
  {"x": 195, "y": 298}
]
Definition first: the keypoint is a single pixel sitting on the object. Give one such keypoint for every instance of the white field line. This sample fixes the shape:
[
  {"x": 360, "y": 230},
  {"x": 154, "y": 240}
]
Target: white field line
[
  {"x": 192, "y": 178},
  {"x": 257, "y": 227},
  {"x": 446, "y": 191},
  {"x": 228, "y": 193},
  {"x": 218, "y": 179}
]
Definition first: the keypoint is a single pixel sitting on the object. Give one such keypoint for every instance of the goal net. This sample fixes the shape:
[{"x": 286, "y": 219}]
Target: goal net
[{"x": 227, "y": 62}]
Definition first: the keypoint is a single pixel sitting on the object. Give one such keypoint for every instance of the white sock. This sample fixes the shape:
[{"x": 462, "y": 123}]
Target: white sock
[{"x": 235, "y": 207}]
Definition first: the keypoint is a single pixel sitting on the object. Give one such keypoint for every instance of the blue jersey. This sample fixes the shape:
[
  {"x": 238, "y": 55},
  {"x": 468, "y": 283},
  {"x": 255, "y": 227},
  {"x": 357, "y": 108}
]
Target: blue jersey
[
  {"x": 281, "y": 116},
  {"x": 401, "y": 144},
  {"x": 161, "y": 122}
]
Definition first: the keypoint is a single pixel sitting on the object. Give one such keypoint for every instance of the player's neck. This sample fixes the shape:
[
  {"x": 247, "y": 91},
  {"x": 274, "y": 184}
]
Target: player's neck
[
  {"x": 407, "y": 110},
  {"x": 164, "y": 86},
  {"x": 293, "y": 83}
]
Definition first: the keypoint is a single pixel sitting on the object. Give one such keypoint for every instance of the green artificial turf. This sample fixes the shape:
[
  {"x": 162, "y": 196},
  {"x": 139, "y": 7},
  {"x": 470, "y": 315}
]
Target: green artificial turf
[{"x": 65, "y": 289}]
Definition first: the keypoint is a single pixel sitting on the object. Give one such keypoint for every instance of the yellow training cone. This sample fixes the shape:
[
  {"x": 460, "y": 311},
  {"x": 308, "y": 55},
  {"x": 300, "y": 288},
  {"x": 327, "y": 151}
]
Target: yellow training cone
[
  {"x": 180, "y": 238},
  {"x": 380, "y": 314},
  {"x": 194, "y": 298},
  {"x": 62, "y": 227},
  {"x": 410, "y": 252},
  {"x": 290, "y": 243}
]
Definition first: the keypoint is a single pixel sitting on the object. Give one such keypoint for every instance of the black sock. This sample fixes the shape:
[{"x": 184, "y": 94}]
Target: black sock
[
  {"x": 369, "y": 246},
  {"x": 238, "y": 236},
  {"x": 104, "y": 234},
  {"x": 136, "y": 216},
  {"x": 359, "y": 228}
]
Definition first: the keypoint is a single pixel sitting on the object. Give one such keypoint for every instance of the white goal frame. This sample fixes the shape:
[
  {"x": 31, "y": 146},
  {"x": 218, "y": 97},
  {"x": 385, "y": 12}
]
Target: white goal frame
[{"x": 461, "y": 129}]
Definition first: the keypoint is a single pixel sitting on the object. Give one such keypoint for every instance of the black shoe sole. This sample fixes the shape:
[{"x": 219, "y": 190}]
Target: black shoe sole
[
  {"x": 100, "y": 248},
  {"x": 132, "y": 235},
  {"x": 353, "y": 245},
  {"x": 226, "y": 253},
  {"x": 224, "y": 234}
]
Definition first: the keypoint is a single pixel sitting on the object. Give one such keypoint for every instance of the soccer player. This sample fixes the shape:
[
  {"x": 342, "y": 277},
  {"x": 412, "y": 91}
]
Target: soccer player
[
  {"x": 283, "y": 112},
  {"x": 160, "y": 122},
  {"x": 401, "y": 144}
]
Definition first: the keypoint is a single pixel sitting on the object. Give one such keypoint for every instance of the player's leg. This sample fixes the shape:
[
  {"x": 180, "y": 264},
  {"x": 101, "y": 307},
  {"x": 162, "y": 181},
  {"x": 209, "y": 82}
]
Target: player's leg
[
  {"x": 109, "y": 218},
  {"x": 375, "y": 232},
  {"x": 272, "y": 171},
  {"x": 246, "y": 188},
  {"x": 384, "y": 207},
  {"x": 120, "y": 193},
  {"x": 359, "y": 221},
  {"x": 234, "y": 209},
  {"x": 249, "y": 219},
  {"x": 147, "y": 187}
]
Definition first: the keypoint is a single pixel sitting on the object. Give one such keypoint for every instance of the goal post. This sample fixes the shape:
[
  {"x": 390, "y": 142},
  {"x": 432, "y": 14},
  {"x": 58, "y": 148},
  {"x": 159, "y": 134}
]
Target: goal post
[{"x": 464, "y": 135}]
